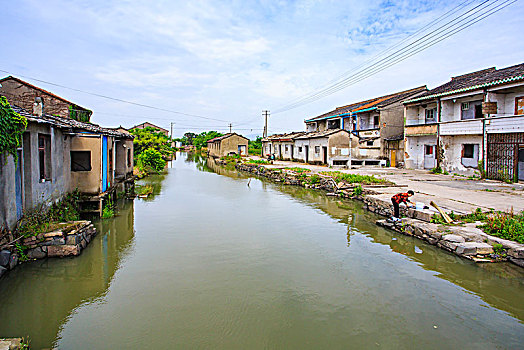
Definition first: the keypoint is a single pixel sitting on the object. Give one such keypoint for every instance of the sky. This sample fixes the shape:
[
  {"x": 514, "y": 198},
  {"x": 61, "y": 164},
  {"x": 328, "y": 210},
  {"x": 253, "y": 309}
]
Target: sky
[{"x": 227, "y": 61}]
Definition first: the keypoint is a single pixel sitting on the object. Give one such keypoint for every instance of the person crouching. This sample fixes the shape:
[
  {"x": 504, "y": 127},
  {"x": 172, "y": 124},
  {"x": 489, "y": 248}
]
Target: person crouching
[{"x": 400, "y": 198}]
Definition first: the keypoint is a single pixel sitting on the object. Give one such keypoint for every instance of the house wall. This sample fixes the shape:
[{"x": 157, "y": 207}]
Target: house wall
[
  {"x": 317, "y": 157},
  {"x": 88, "y": 181},
  {"x": 505, "y": 99},
  {"x": 122, "y": 148},
  {"x": 58, "y": 184},
  {"x": 452, "y": 160},
  {"x": 416, "y": 114},
  {"x": 24, "y": 96},
  {"x": 228, "y": 145},
  {"x": 339, "y": 147},
  {"x": 301, "y": 155},
  {"x": 414, "y": 150},
  {"x": 35, "y": 192},
  {"x": 451, "y": 111},
  {"x": 286, "y": 153},
  {"x": 7, "y": 192}
]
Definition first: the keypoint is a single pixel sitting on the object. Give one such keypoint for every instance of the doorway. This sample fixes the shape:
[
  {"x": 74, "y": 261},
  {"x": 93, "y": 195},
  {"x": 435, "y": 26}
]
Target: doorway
[
  {"x": 393, "y": 158},
  {"x": 429, "y": 156},
  {"x": 307, "y": 153},
  {"x": 104, "y": 163},
  {"x": 325, "y": 154}
]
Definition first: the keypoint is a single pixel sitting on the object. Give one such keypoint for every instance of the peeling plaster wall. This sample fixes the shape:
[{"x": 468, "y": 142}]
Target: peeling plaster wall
[
  {"x": 452, "y": 157},
  {"x": 414, "y": 150}
]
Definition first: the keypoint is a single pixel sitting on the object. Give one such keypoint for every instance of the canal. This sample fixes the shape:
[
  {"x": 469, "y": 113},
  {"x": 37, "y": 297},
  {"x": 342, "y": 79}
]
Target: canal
[{"x": 210, "y": 262}]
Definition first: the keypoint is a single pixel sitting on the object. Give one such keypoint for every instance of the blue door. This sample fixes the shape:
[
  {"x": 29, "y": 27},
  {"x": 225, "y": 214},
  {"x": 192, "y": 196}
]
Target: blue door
[
  {"x": 104, "y": 163},
  {"x": 18, "y": 186}
]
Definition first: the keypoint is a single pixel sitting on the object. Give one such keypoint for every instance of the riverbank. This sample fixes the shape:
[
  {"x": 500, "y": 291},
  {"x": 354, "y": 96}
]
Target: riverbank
[{"x": 466, "y": 241}]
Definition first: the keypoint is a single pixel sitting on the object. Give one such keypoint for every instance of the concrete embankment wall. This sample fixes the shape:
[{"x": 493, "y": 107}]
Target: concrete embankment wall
[{"x": 466, "y": 241}]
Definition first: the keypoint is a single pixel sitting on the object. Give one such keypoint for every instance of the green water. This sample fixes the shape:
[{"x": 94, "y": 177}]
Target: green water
[{"x": 210, "y": 263}]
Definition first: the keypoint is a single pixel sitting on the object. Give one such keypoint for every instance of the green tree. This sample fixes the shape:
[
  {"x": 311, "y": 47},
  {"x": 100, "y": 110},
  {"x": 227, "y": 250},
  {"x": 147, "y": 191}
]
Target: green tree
[
  {"x": 150, "y": 138},
  {"x": 255, "y": 146},
  {"x": 150, "y": 160},
  {"x": 201, "y": 139}
]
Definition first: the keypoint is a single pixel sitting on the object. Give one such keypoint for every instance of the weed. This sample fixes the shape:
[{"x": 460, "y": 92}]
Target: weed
[
  {"x": 313, "y": 179},
  {"x": 353, "y": 178},
  {"x": 498, "y": 248},
  {"x": 257, "y": 161},
  {"x": 357, "y": 191},
  {"x": 436, "y": 170},
  {"x": 299, "y": 170},
  {"x": 20, "y": 249}
]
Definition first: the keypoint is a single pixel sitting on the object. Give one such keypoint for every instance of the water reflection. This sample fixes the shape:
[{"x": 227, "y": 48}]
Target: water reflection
[
  {"x": 500, "y": 284},
  {"x": 38, "y": 297}
]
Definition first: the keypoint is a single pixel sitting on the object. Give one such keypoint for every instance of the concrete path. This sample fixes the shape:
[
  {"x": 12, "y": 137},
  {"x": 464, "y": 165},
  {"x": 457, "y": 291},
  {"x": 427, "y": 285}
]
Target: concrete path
[{"x": 451, "y": 192}]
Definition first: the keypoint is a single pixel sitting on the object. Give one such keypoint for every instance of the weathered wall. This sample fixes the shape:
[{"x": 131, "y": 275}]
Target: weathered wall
[
  {"x": 414, "y": 150},
  {"x": 88, "y": 181},
  {"x": 36, "y": 190},
  {"x": 228, "y": 145},
  {"x": 24, "y": 96},
  {"x": 301, "y": 155},
  {"x": 123, "y": 147},
  {"x": 452, "y": 158},
  {"x": 7, "y": 192},
  {"x": 314, "y": 156}
]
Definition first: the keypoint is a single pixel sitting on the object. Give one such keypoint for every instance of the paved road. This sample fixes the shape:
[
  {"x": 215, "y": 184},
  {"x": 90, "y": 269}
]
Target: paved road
[{"x": 451, "y": 192}]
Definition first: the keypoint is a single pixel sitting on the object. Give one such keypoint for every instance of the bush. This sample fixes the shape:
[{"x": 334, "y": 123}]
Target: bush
[
  {"x": 150, "y": 161},
  {"x": 313, "y": 179},
  {"x": 257, "y": 161},
  {"x": 357, "y": 191}
]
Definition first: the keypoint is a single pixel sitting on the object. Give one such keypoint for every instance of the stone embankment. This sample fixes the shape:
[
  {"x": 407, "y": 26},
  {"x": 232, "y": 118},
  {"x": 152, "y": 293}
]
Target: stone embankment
[
  {"x": 466, "y": 241},
  {"x": 68, "y": 240}
]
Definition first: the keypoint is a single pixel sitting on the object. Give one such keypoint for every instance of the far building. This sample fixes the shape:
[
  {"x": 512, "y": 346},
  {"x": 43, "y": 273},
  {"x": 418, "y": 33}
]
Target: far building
[
  {"x": 150, "y": 125},
  {"x": 227, "y": 145}
]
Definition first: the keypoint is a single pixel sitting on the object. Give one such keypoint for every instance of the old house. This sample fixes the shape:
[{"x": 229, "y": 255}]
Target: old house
[
  {"x": 377, "y": 123},
  {"x": 330, "y": 147},
  {"x": 473, "y": 124},
  {"x": 228, "y": 144},
  {"x": 150, "y": 125},
  {"x": 281, "y": 145},
  {"x": 57, "y": 156},
  {"x": 33, "y": 98}
]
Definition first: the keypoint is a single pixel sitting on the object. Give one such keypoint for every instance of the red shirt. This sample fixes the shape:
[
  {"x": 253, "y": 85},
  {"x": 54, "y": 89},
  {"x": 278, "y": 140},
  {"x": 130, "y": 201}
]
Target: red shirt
[{"x": 401, "y": 198}]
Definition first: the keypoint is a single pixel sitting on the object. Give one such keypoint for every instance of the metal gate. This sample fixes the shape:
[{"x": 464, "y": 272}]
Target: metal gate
[{"x": 503, "y": 152}]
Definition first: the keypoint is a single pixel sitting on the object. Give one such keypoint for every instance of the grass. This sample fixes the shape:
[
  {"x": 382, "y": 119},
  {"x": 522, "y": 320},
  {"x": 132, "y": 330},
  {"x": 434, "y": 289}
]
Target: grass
[
  {"x": 313, "y": 179},
  {"x": 353, "y": 178},
  {"x": 257, "y": 161},
  {"x": 299, "y": 170},
  {"x": 499, "y": 224}
]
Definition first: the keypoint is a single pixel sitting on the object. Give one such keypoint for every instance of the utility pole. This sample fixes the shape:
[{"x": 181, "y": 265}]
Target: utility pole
[
  {"x": 172, "y": 123},
  {"x": 230, "y": 125},
  {"x": 265, "y": 114}
]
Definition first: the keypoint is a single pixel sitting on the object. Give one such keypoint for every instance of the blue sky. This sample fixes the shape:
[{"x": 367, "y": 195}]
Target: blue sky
[{"x": 229, "y": 60}]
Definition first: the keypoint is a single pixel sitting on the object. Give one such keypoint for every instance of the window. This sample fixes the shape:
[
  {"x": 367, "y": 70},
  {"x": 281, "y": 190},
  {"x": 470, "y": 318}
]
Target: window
[
  {"x": 471, "y": 110},
  {"x": 519, "y": 105},
  {"x": 128, "y": 158},
  {"x": 44, "y": 156},
  {"x": 287, "y": 148},
  {"x": 81, "y": 160},
  {"x": 376, "y": 121},
  {"x": 317, "y": 149},
  {"x": 300, "y": 149},
  {"x": 369, "y": 143},
  {"x": 468, "y": 151},
  {"x": 428, "y": 150},
  {"x": 431, "y": 115}
]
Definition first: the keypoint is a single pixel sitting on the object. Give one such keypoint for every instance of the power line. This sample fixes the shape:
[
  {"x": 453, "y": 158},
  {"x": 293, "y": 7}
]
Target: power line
[
  {"x": 480, "y": 12},
  {"x": 114, "y": 98}
]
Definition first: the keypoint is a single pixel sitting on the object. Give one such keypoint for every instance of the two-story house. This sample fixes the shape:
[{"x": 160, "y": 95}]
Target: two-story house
[
  {"x": 469, "y": 125},
  {"x": 377, "y": 126}
]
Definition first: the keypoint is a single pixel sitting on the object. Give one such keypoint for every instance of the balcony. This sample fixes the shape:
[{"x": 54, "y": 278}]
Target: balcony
[
  {"x": 461, "y": 127},
  {"x": 419, "y": 128}
]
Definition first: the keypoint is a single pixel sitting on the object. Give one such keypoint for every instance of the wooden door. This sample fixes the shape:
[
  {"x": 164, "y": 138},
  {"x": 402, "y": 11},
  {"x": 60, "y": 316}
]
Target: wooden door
[{"x": 393, "y": 158}]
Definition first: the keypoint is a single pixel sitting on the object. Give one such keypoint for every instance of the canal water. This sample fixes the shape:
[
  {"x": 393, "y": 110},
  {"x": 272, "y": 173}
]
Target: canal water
[{"x": 214, "y": 260}]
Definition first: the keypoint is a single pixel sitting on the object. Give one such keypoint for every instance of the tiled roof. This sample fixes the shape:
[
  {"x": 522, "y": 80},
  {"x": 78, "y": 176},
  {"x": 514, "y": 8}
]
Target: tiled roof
[
  {"x": 317, "y": 134},
  {"x": 475, "y": 80},
  {"x": 70, "y": 124},
  {"x": 220, "y": 138},
  {"x": 42, "y": 90},
  {"x": 373, "y": 103}
]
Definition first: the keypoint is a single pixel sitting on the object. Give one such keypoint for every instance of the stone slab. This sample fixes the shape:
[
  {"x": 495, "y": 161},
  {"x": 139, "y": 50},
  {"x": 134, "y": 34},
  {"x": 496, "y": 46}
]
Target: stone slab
[
  {"x": 474, "y": 248},
  {"x": 4, "y": 257},
  {"x": 517, "y": 253},
  {"x": 453, "y": 238},
  {"x": 62, "y": 250}
]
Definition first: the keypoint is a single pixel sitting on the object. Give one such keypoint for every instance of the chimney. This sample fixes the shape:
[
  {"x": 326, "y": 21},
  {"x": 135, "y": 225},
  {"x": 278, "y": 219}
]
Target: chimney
[{"x": 38, "y": 107}]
